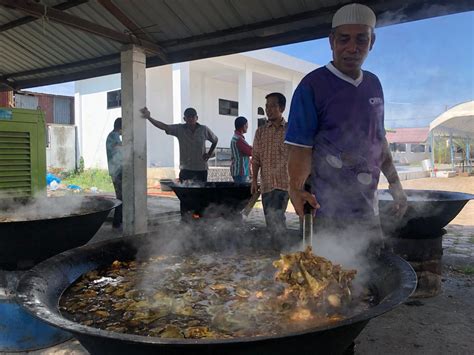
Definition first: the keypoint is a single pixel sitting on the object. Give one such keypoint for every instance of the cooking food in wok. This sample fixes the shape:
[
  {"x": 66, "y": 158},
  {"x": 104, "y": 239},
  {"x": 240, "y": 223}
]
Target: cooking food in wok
[
  {"x": 214, "y": 295},
  {"x": 390, "y": 280}
]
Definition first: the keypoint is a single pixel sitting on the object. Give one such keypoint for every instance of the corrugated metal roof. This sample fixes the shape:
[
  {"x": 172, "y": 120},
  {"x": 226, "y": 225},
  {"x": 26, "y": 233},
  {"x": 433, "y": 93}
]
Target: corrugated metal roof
[{"x": 39, "y": 51}]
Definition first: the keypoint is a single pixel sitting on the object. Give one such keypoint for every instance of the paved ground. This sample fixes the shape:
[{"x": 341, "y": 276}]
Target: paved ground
[{"x": 437, "y": 325}]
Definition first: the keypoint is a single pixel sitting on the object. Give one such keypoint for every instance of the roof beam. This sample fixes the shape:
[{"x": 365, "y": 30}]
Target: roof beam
[
  {"x": 27, "y": 19},
  {"x": 84, "y": 74},
  {"x": 67, "y": 66},
  {"x": 388, "y": 12},
  {"x": 40, "y": 11},
  {"x": 115, "y": 11}
]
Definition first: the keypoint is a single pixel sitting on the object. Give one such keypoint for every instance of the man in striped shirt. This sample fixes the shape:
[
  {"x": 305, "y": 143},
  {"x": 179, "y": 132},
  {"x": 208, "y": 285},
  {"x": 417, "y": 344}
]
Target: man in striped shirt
[
  {"x": 241, "y": 152},
  {"x": 270, "y": 157}
]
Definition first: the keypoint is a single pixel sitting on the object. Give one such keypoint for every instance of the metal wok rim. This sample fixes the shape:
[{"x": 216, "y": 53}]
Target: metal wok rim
[
  {"x": 26, "y": 297},
  {"x": 114, "y": 203},
  {"x": 220, "y": 185},
  {"x": 460, "y": 196}
]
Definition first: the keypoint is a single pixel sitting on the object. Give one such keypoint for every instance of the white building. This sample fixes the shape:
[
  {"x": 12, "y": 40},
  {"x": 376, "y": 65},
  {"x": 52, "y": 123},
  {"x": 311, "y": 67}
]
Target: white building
[{"x": 214, "y": 87}]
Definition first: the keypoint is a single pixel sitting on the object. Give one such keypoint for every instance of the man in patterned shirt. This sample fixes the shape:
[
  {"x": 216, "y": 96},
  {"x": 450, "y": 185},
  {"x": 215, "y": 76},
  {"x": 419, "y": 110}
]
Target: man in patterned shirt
[
  {"x": 270, "y": 156},
  {"x": 241, "y": 152}
]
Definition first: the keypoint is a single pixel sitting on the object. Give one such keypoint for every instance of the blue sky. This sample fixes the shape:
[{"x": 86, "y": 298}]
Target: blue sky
[{"x": 424, "y": 66}]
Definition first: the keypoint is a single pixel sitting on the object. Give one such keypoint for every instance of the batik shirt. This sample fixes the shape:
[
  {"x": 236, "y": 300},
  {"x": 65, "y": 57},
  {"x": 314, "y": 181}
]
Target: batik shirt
[{"x": 270, "y": 153}]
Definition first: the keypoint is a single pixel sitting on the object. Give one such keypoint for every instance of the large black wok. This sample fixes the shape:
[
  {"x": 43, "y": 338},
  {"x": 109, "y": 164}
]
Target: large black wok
[
  {"x": 428, "y": 212},
  {"x": 392, "y": 280},
  {"x": 34, "y": 230},
  {"x": 212, "y": 199}
]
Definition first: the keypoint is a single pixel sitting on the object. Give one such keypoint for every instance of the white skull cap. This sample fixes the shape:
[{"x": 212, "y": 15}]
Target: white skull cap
[{"x": 354, "y": 14}]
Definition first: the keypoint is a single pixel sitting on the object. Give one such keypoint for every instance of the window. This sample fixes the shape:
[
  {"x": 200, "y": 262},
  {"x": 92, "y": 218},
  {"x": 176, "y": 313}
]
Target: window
[
  {"x": 114, "y": 99},
  {"x": 417, "y": 148},
  {"x": 400, "y": 147},
  {"x": 228, "y": 108}
]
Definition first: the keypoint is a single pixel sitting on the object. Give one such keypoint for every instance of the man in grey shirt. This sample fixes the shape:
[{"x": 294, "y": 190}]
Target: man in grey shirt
[{"x": 192, "y": 144}]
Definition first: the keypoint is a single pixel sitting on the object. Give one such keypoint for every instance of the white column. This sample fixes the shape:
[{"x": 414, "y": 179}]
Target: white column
[
  {"x": 181, "y": 100},
  {"x": 288, "y": 94},
  {"x": 245, "y": 101},
  {"x": 290, "y": 87},
  {"x": 135, "y": 218},
  {"x": 78, "y": 120}
]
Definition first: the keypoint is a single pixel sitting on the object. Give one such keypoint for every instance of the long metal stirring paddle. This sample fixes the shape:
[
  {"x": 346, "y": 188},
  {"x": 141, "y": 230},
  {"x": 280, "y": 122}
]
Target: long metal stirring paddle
[
  {"x": 307, "y": 225},
  {"x": 307, "y": 221}
]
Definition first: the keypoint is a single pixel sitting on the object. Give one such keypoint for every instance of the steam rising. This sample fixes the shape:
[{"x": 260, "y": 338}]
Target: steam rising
[{"x": 16, "y": 210}]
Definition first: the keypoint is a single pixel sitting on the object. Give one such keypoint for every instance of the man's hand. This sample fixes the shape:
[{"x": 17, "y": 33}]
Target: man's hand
[
  {"x": 299, "y": 197},
  {"x": 254, "y": 187},
  {"x": 145, "y": 113},
  {"x": 399, "y": 199},
  {"x": 206, "y": 156}
]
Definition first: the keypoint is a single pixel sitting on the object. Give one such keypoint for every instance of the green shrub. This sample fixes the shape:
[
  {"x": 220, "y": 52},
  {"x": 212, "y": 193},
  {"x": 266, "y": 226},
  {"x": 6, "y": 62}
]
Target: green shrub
[{"x": 91, "y": 178}]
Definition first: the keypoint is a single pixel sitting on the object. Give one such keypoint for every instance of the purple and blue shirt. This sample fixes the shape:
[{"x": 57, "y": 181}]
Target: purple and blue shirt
[{"x": 342, "y": 120}]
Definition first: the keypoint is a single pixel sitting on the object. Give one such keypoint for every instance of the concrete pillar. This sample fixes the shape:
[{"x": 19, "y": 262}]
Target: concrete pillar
[
  {"x": 181, "y": 100},
  {"x": 135, "y": 218},
  {"x": 79, "y": 123},
  {"x": 245, "y": 101}
]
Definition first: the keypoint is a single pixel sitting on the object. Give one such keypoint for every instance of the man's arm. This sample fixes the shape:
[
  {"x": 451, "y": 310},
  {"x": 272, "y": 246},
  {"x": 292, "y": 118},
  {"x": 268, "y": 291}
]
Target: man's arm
[
  {"x": 255, "y": 163},
  {"x": 211, "y": 150},
  {"x": 299, "y": 168},
  {"x": 213, "y": 139},
  {"x": 255, "y": 170},
  {"x": 394, "y": 184},
  {"x": 244, "y": 147},
  {"x": 156, "y": 123}
]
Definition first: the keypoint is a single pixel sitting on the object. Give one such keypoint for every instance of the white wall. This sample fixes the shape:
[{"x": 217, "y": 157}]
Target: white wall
[
  {"x": 61, "y": 152},
  {"x": 95, "y": 121},
  {"x": 160, "y": 103}
]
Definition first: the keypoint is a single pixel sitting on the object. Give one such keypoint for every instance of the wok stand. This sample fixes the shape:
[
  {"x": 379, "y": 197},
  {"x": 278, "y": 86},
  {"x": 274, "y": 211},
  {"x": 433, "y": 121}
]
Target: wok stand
[{"x": 417, "y": 237}]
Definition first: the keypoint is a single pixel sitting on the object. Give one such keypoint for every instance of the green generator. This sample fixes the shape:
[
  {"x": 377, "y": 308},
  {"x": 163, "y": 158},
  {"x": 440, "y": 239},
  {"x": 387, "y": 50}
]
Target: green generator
[{"x": 22, "y": 153}]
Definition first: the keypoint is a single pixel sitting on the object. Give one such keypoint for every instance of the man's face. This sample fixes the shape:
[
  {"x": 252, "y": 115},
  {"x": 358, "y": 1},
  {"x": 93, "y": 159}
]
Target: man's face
[
  {"x": 245, "y": 127},
  {"x": 191, "y": 120},
  {"x": 350, "y": 46},
  {"x": 273, "y": 109}
]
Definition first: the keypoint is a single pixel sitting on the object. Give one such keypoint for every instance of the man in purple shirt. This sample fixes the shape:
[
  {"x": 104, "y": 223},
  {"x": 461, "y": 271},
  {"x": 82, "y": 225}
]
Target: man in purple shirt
[{"x": 336, "y": 134}]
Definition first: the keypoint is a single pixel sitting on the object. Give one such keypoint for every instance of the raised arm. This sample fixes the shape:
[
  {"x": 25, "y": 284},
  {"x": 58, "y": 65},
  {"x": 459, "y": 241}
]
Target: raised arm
[{"x": 146, "y": 114}]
